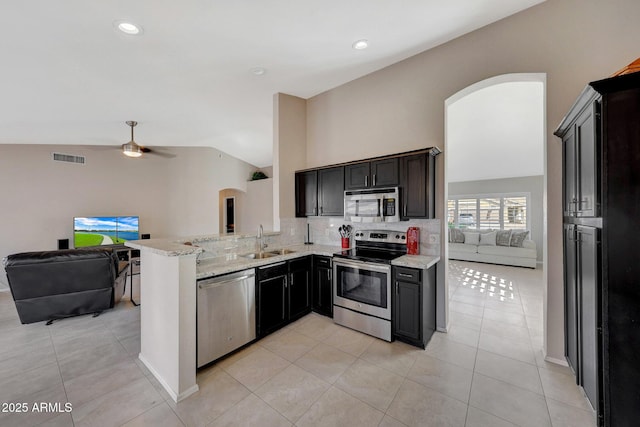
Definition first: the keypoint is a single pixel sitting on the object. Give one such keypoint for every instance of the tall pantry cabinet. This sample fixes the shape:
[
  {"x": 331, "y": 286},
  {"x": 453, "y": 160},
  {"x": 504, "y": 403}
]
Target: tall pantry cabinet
[{"x": 601, "y": 208}]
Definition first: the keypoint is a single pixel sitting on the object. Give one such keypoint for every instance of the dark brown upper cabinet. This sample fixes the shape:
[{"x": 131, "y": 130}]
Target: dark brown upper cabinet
[
  {"x": 331, "y": 191},
  {"x": 418, "y": 186},
  {"x": 377, "y": 173},
  {"x": 320, "y": 191},
  {"x": 306, "y": 193}
]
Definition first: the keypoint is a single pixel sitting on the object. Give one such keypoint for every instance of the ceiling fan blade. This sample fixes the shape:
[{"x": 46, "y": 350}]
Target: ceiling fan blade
[{"x": 157, "y": 152}]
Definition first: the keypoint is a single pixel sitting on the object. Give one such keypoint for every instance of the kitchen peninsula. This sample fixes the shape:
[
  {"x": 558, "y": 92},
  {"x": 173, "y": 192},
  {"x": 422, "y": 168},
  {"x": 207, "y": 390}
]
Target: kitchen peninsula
[{"x": 168, "y": 274}]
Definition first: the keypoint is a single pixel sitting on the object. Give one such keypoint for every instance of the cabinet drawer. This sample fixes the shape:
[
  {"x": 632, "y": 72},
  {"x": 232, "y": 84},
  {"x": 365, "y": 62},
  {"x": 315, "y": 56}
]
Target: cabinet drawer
[
  {"x": 408, "y": 275},
  {"x": 322, "y": 261},
  {"x": 272, "y": 270},
  {"x": 300, "y": 264}
]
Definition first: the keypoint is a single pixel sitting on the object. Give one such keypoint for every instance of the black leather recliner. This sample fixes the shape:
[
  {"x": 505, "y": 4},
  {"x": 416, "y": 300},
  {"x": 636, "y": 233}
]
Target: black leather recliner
[{"x": 55, "y": 284}]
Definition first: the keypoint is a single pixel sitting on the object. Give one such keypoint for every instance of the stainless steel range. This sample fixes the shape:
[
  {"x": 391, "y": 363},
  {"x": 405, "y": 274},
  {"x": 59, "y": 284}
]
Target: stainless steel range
[{"x": 362, "y": 281}]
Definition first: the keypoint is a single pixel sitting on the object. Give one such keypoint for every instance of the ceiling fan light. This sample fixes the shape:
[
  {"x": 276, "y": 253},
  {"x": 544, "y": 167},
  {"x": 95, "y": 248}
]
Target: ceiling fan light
[{"x": 131, "y": 149}]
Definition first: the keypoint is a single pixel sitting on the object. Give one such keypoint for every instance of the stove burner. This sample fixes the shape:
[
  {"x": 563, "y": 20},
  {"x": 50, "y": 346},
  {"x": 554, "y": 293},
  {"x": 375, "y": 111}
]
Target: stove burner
[{"x": 381, "y": 246}]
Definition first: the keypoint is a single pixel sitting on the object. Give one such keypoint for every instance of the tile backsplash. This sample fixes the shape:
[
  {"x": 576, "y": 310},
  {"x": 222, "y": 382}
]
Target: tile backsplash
[
  {"x": 321, "y": 230},
  {"x": 324, "y": 230}
]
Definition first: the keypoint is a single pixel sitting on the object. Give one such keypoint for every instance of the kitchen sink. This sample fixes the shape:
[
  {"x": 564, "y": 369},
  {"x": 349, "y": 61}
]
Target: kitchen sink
[
  {"x": 260, "y": 255},
  {"x": 269, "y": 254},
  {"x": 282, "y": 252}
]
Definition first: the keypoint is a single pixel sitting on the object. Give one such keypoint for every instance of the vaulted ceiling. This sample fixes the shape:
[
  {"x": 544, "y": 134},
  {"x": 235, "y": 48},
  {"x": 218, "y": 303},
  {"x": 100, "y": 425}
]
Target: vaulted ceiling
[{"x": 69, "y": 76}]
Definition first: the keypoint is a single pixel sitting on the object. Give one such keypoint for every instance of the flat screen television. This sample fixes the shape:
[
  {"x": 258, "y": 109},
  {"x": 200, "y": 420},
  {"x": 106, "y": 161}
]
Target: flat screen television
[{"x": 104, "y": 230}]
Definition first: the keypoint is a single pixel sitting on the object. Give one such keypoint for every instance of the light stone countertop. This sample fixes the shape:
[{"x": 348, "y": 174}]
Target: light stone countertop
[
  {"x": 164, "y": 247},
  {"x": 416, "y": 261},
  {"x": 177, "y": 247},
  {"x": 215, "y": 266}
]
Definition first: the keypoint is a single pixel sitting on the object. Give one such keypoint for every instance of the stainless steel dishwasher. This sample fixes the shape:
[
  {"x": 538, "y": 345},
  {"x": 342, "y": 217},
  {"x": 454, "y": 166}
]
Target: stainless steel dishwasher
[{"x": 226, "y": 314}]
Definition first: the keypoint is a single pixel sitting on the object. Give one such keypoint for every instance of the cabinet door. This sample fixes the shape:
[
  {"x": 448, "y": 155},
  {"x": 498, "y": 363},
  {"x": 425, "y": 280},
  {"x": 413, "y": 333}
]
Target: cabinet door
[
  {"x": 385, "y": 173},
  {"x": 587, "y": 148},
  {"x": 322, "y": 288},
  {"x": 331, "y": 191},
  {"x": 571, "y": 298},
  {"x": 569, "y": 173},
  {"x": 306, "y": 194},
  {"x": 299, "y": 288},
  {"x": 417, "y": 192},
  {"x": 357, "y": 176},
  {"x": 589, "y": 323},
  {"x": 272, "y": 298},
  {"x": 407, "y": 316}
]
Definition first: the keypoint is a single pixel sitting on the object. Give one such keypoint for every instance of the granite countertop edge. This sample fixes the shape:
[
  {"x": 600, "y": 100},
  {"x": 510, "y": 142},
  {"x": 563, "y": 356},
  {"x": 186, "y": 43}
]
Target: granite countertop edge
[
  {"x": 215, "y": 266},
  {"x": 416, "y": 261}
]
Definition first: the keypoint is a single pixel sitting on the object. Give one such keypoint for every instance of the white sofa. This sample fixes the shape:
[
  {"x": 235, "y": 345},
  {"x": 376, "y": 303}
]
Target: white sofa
[{"x": 525, "y": 256}]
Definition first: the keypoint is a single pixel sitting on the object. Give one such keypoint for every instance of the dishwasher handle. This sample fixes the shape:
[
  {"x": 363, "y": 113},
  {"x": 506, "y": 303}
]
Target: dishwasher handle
[{"x": 213, "y": 283}]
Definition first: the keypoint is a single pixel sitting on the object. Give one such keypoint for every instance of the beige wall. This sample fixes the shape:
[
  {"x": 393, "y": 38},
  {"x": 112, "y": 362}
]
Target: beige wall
[
  {"x": 401, "y": 107},
  {"x": 258, "y": 208},
  {"x": 173, "y": 197},
  {"x": 289, "y": 151}
]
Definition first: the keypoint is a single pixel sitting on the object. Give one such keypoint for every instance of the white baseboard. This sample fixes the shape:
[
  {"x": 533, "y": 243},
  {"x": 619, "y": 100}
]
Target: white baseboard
[
  {"x": 560, "y": 362},
  {"x": 175, "y": 396}
]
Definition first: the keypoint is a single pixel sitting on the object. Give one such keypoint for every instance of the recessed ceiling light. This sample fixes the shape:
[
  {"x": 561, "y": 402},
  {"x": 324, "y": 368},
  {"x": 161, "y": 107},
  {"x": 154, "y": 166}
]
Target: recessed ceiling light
[
  {"x": 128, "y": 28},
  {"x": 258, "y": 71},
  {"x": 361, "y": 44}
]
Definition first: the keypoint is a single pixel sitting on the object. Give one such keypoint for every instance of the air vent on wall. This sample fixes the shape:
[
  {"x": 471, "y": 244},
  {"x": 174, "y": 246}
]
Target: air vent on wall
[{"x": 69, "y": 158}]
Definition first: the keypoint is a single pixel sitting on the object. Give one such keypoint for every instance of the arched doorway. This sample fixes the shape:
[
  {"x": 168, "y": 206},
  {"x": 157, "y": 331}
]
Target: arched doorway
[
  {"x": 231, "y": 204},
  {"x": 495, "y": 132}
]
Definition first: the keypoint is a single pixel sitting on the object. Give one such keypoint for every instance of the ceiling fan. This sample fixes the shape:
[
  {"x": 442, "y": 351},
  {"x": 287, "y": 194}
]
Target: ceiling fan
[{"x": 132, "y": 149}]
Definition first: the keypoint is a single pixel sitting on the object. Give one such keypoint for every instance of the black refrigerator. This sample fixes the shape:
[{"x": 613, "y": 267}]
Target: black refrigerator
[{"x": 601, "y": 214}]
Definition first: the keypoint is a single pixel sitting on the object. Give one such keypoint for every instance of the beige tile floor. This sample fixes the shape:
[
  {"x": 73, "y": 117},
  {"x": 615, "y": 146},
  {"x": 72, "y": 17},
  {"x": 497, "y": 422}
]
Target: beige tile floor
[{"x": 487, "y": 371}]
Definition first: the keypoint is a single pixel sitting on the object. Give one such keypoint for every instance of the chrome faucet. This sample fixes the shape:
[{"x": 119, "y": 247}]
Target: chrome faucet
[{"x": 260, "y": 239}]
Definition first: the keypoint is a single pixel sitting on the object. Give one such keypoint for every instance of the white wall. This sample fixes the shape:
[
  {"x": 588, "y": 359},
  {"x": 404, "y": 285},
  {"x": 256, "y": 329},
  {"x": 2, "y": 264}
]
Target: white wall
[
  {"x": 496, "y": 132},
  {"x": 173, "y": 197}
]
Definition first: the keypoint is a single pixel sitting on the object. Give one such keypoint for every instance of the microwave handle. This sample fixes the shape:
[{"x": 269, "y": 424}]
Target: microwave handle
[{"x": 381, "y": 208}]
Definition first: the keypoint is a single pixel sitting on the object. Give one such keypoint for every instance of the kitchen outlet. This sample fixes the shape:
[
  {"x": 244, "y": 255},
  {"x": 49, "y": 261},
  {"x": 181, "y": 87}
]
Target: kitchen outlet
[
  {"x": 292, "y": 231},
  {"x": 433, "y": 238}
]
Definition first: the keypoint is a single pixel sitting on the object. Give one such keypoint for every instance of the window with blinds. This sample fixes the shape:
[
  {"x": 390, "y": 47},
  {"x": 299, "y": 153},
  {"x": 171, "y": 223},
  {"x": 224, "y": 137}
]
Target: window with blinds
[{"x": 496, "y": 211}]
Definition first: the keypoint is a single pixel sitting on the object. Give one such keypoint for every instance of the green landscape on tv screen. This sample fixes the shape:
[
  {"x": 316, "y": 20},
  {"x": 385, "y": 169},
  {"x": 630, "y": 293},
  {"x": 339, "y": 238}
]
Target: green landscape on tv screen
[{"x": 104, "y": 230}]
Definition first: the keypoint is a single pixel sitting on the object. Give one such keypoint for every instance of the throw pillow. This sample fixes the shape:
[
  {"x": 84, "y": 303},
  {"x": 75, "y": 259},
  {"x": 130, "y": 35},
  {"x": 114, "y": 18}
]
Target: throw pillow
[
  {"x": 503, "y": 238},
  {"x": 488, "y": 239},
  {"x": 471, "y": 238},
  {"x": 517, "y": 237},
  {"x": 456, "y": 235}
]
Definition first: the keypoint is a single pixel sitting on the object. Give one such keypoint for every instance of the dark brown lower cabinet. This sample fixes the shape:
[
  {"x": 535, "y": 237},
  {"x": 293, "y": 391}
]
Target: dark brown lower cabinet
[
  {"x": 299, "y": 291},
  {"x": 271, "y": 298},
  {"x": 283, "y": 294},
  {"x": 322, "y": 301},
  {"x": 583, "y": 324},
  {"x": 414, "y": 305}
]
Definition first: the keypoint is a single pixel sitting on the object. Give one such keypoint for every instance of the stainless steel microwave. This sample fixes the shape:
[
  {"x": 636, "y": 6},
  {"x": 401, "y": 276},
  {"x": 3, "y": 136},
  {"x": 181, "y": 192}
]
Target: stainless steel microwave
[{"x": 372, "y": 205}]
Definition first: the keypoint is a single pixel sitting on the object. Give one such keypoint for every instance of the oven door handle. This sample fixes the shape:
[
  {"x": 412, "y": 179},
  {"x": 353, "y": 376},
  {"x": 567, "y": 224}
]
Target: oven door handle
[{"x": 384, "y": 268}]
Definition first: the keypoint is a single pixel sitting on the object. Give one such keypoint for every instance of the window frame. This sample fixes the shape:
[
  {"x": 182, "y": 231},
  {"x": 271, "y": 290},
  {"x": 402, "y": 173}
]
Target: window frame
[{"x": 478, "y": 210}]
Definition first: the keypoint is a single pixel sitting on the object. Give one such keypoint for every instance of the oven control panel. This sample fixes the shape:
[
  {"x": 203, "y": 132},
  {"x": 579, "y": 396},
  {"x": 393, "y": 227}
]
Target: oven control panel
[{"x": 382, "y": 236}]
